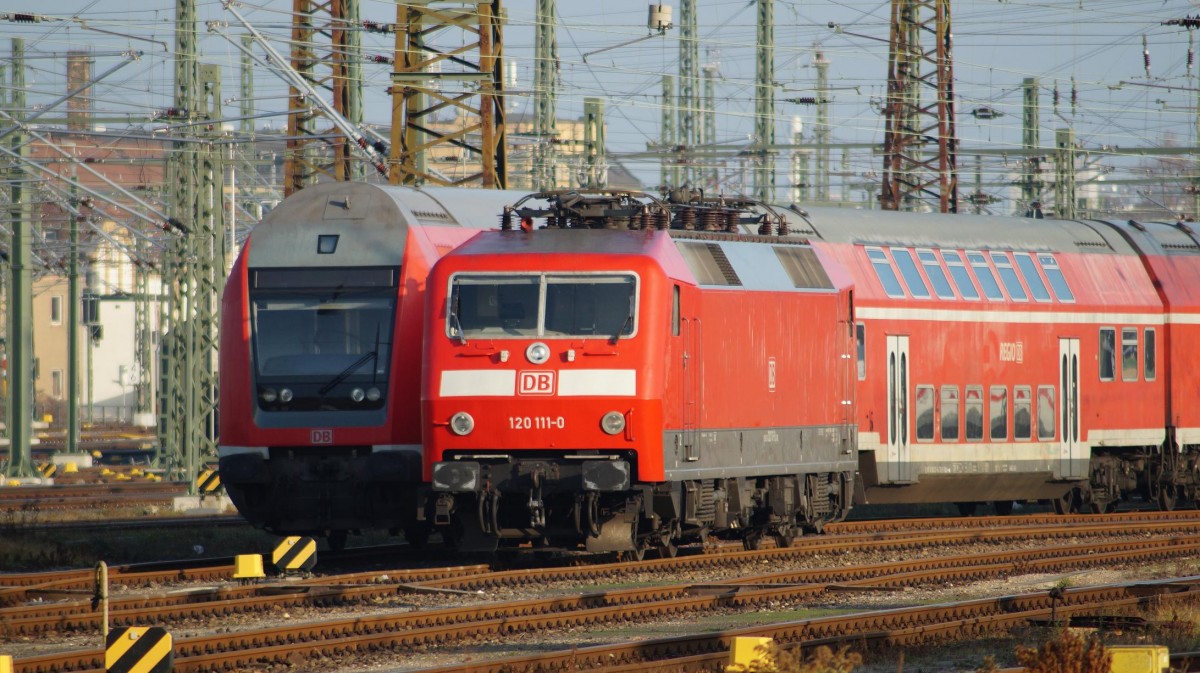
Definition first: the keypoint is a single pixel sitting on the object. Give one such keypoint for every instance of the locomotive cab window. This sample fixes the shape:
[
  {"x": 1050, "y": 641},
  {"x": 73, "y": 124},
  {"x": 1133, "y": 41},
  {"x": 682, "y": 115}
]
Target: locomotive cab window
[
  {"x": 1108, "y": 353},
  {"x": 1149, "y": 368},
  {"x": 542, "y": 305},
  {"x": 887, "y": 275},
  {"x": 1129, "y": 354},
  {"x": 860, "y": 338},
  {"x": 320, "y": 337}
]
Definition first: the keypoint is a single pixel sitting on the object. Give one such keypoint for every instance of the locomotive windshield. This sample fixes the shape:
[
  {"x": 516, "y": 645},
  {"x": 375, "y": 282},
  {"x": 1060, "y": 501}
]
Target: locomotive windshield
[
  {"x": 323, "y": 336},
  {"x": 542, "y": 305}
]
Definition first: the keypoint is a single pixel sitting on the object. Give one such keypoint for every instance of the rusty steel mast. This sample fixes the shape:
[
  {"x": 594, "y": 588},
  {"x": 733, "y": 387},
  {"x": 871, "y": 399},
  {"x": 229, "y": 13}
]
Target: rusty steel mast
[{"x": 919, "y": 141}]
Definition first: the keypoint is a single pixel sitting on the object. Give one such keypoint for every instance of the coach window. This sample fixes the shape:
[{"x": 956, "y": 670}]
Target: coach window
[
  {"x": 1149, "y": 365},
  {"x": 1033, "y": 280},
  {"x": 962, "y": 277},
  {"x": 983, "y": 272},
  {"x": 675, "y": 310},
  {"x": 1022, "y": 413},
  {"x": 998, "y": 413},
  {"x": 974, "y": 416},
  {"x": 1057, "y": 281},
  {"x": 1108, "y": 353},
  {"x": 935, "y": 274},
  {"x": 860, "y": 336},
  {"x": 924, "y": 413},
  {"x": 887, "y": 276},
  {"x": 912, "y": 277},
  {"x": 1045, "y": 413},
  {"x": 949, "y": 413},
  {"x": 1009, "y": 276},
  {"x": 1129, "y": 354}
]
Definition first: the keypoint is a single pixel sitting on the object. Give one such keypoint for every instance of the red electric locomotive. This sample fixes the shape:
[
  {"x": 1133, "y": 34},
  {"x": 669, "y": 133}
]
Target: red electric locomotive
[
  {"x": 320, "y": 349},
  {"x": 622, "y": 390}
]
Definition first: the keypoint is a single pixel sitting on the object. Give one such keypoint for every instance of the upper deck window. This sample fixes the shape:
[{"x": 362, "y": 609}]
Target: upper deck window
[
  {"x": 542, "y": 305},
  {"x": 962, "y": 277},
  {"x": 987, "y": 281},
  {"x": 887, "y": 276},
  {"x": 1032, "y": 279},
  {"x": 1009, "y": 276},
  {"x": 935, "y": 274},
  {"x": 912, "y": 277},
  {"x": 1055, "y": 275}
]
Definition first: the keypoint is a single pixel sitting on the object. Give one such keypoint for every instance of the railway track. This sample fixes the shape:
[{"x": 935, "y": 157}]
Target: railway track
[{"x": 420, "y": 629}]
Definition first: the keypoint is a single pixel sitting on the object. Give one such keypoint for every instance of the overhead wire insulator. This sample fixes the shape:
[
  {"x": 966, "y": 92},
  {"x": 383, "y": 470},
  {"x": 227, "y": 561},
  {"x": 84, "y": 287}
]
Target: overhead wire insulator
[
  {"x": 388, "y": 60},
  {"x": 1056, "y": 96},
  {"x": 1146, "y": 56},
  {"x": 377, "y": 27},
  {"x": 1191, "y": 56},
  {"x": 1074, "y": 96}
]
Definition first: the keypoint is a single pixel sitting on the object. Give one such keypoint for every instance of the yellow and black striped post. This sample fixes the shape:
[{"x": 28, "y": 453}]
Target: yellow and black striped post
[
  {"x": 294, "y": 554},
  {"x": 208, "y": 482},
  {"x": 144, "y": 649},
  {"x": 47, "y": 470}
]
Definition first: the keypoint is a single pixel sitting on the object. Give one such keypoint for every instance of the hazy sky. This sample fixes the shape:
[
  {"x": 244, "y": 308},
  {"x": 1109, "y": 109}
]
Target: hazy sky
[{"x": 1086, "y": 50}]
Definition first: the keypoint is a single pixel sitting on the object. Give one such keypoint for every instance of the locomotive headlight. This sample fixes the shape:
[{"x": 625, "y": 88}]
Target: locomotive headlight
[
  {"x": 285, "y": 395},
  {"x": 613, "y": 422},
  {"x": 358, "y": 395},
  {"x": 537, "y": 353},
  {"x": 373, "y": 394},
  {"x": 268, "y": 395},
  {"x": 462, "y": 423}
]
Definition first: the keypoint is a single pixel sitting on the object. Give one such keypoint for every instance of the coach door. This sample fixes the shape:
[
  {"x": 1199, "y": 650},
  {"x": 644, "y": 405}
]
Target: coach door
[
  {"x": 1070, "y": 449},
  {"x": 690, "y": 331},
  {"x": 898, "y": 467}
]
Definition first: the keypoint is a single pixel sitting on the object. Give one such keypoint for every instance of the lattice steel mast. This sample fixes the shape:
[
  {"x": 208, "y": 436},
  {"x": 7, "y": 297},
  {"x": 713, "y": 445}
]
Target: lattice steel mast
[
  {"x": 910, "y": 172},
  {"x": 764, "y": 104},
  {"x": 545, "y": 96},
  {"x": 687, "y": 132},
  {"x": 419, "y": 93}
]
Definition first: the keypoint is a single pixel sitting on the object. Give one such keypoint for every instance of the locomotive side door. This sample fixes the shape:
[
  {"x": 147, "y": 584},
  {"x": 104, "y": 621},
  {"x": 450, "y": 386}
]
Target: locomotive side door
[
  {"x": 898, "y": 467},
  {"x": 1070, "y": 449},
  {"x": 690, "y": 331}
]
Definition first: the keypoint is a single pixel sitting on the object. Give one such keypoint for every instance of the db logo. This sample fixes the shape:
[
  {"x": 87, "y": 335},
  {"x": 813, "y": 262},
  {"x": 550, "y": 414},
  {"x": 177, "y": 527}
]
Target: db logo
[
  {"x": 536, "y": 383},
  {"x": 322, "y": 436}
]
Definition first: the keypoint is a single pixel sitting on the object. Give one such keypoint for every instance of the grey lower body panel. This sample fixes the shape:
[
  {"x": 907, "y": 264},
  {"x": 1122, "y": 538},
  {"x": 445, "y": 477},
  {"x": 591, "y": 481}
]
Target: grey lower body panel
[{"x": 752, "y": 452}]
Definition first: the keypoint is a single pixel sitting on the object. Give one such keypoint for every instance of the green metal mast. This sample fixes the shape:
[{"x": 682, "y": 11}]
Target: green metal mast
[
  {"x": 708, "y": 172},
  {"x": 73, "y": 301},
  {"x": 1031, "y": 187},
  {"x": 20, "y": 297},
  {"x": 669, "y": 165},
  {"x": 1064, "y": 170},
  {"x": 764, "y": 104},
  {"x": 687, "y": 103},
  {"x": 545, "y": 97},
  {"x": 595, "y": 167},
  {"x": 821, "y": 128}
]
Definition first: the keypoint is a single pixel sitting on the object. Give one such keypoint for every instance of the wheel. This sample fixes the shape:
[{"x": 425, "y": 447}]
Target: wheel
[
  {"x": 632, "y": 555},
  {"x": 1065, "y": 504},
  {"x": 967, "y": 508},
  {"x": 752, "y": 540},
  {"x": 666, "y": 547},
  {"x": 1003, "y": 507},
  {"x": 1166, "y": 498},
  {"x": 785, "y": 540}
]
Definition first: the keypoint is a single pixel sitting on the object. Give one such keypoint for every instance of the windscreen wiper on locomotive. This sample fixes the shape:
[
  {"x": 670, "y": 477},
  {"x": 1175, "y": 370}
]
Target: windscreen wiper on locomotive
[{"x": 372, "y": 355}]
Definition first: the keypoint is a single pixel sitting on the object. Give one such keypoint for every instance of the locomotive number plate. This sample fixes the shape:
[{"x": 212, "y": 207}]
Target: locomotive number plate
[{"x": 537, "y": 423}]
